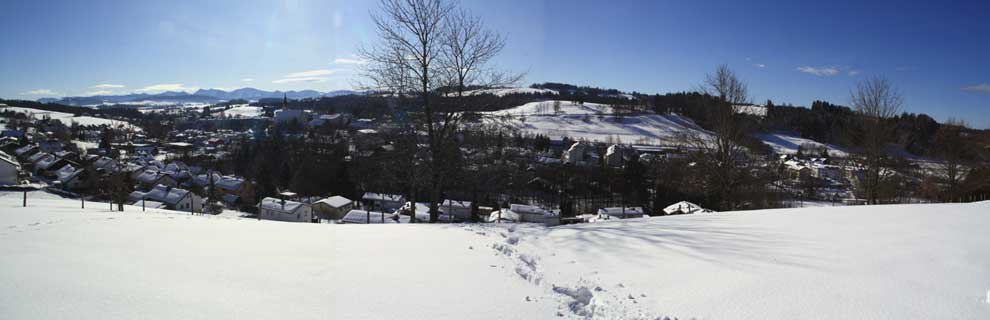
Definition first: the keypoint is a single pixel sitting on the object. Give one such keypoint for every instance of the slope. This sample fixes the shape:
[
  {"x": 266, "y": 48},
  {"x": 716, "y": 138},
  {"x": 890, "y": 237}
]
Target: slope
[{"x": 879, "y": 262}]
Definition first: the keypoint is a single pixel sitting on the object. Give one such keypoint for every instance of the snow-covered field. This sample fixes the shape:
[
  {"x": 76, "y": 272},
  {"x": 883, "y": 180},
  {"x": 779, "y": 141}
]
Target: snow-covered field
[
  {"x": 68, "y": 118},
  {"x": 784, "y": 143},
  {"x": 865, "y": 262},
  {"x": 594, "y": 122},
  {"x": 243, "y": 111}
]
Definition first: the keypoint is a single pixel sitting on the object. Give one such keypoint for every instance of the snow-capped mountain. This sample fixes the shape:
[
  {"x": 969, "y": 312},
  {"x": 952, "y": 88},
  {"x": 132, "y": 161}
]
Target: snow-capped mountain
[{"x": 200, "y": 96}]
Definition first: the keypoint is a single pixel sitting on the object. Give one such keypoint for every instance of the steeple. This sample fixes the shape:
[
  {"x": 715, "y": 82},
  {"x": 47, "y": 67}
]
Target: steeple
[{"x": 285, "y": 101}]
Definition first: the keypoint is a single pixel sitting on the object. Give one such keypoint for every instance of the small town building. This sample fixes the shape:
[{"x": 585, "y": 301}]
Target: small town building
[
  {"x": 284, "y": 210},
  {"x": 332, "y": 208}
]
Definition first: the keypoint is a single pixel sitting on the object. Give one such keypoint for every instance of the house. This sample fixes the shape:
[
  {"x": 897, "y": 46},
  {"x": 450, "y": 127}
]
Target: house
[
  {"x": 575, "y": 154},
  {"x": 106, "y": 164},
  {"x": 458, "y": 209},
  {"x": 620, "y": 213},
  {"x": 684, "y": 207},
  {"x": 235, "y": 189},
  {"x": 173, "y": 198},
  {"x": 284, "y": 210},
  {"x": 528, "y": 213},
  {"x": 48, "y": 164},
  {"x": 382, "y": 201},
  {"x": 26, "y": 151},
  {"x": 289, "y": 115},
  {"x": 71, "y": 178},
  {"x": 9, "y": 170},
  {"x": 357, "y": 216},
  {"x": 332, "y": 208},
  {"x": 504, "y": 216},
  {"x": 150, "y": 178},
  {"x": 617, "y": 155}
]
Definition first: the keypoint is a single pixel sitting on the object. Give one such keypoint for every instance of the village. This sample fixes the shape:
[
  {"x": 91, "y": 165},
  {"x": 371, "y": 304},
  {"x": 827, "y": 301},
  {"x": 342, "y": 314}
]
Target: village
[{"x": 182, "y": 170}]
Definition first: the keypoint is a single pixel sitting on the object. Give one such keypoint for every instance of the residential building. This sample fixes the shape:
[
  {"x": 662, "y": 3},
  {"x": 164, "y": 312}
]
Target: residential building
[
  {"x": 284, "y": 210},
  {"x": 332, "y": 208}
]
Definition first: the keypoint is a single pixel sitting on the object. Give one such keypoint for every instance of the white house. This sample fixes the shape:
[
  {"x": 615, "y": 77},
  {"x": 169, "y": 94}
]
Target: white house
[
  {"x": 684, "y": 207},
  {"x": 528, "y": 213},
  {"x": 383, "y": 201},
  {"x": 459, "y": 209},
  {"x": 9, "y": 169},
  {"x": 575, "y": 154},
  {"x": 372, "y": 217},
  {"x": 173, "y": 198},
  {"x": 284, "y": 210},
  {"x": 620, "y": 213},
  {"x": 503, "y": 216}
]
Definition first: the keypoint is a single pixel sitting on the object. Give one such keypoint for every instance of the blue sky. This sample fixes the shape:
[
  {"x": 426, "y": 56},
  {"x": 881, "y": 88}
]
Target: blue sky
[{"x": 937, "y": 53}]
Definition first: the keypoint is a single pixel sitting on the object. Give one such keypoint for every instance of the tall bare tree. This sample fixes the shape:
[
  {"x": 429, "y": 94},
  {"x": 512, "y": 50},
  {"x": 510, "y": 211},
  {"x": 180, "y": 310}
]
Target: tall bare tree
[
  {"x": 876, "y": 100},
  {"x": 719, "y": 152},
  {"x": 427, "y": 48}
]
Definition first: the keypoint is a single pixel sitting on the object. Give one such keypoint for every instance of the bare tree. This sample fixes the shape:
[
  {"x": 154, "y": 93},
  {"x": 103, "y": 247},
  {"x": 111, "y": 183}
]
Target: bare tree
[
  {"x": 428, "y": 47},
  {"x": 876, "y": 100},
  {"x": 719, "y": 153},
  {"x": 951, "y": 143}
]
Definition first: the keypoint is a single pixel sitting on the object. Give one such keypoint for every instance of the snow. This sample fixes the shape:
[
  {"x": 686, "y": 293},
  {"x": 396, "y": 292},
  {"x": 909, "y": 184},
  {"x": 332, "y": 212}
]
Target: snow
[
  {"x": 243, "y": 111},
  {"x": 595, "y": 122},
  {"x": 68, "y": 118},
  {"x": 784, "y": 143},
  {"x": 860, "y": 262}
]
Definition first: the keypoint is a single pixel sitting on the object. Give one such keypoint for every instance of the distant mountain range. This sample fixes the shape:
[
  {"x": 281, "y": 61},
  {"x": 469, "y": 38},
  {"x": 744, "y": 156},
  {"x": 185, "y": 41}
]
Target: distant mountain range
[{"x": 200, "y": 96}]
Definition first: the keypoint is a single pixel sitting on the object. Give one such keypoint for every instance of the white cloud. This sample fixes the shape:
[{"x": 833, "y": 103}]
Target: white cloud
[
  {"x": 352, "y": 61},
  {"x": 853, "y": 72},
  {"x": 99, "y": 93},
  {"x": 760, "y": 65},
  {"x": 300, "y": 79},
  {"x": 39, "y": 92},
  {"x": 311, "y": 73},
  {"x": 247, "y": 79},
  {"x": 166, "y": 87},
  {"x": 822, "y": 72},
  {"x": 318, "y": 75},
  {"x": 107, "y": 86},
  {"x": 981, "y": 88}
]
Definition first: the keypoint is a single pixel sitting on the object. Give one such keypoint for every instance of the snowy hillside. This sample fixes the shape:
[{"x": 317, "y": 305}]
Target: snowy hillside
[
  {"x": 68, "y": 118},
  {"x": 594, "y": 122},
  {"x": 880, "y": 262},
  {"x": 243, "y": 111},
  {"x": 784, "y": 143}
]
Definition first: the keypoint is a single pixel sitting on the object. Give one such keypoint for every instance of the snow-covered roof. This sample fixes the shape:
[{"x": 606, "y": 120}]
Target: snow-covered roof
[
  {"x": 277, "y": 205},
  {"x": 455, "y": 204},
  {"x": 25, "y": 149},
  {"x": 528, "y": 209},
  {"x": 503, "y": 216},
  {"x": 365, "y": 217},
  {"x": 229, "y": 182},
  {"x": 162, "y": 193},
  {"x": 6, "y": 158},
  {"x": 372, "y": 196},
  {"x": 684, "y": 207},
  {"x": 629, "y": 212},
  {"x": 336, "y": 201}
]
